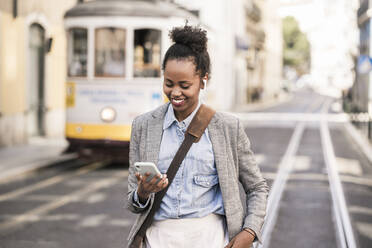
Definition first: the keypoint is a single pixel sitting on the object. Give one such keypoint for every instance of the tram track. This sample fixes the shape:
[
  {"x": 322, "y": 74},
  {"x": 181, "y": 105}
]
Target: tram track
[
  {"x": 276, "y": 192},
  {"x": 284, "y": 171},
  {"x": 341, "y": 221}
]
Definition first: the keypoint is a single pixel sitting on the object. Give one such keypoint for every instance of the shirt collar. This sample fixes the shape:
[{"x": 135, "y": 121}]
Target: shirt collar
[{"x": 170, "y": 118}]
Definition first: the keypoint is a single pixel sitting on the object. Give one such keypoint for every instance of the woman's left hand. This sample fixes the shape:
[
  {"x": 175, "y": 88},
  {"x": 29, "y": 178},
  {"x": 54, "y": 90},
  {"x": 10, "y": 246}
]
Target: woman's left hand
[{"x": 241, "y": 240}]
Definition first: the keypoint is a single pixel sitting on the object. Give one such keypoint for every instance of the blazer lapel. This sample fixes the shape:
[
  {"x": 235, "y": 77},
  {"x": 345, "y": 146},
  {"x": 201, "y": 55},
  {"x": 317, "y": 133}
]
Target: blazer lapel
[
  {"x": 154, "y": 134},
  {"x": 217, "y": 137}
]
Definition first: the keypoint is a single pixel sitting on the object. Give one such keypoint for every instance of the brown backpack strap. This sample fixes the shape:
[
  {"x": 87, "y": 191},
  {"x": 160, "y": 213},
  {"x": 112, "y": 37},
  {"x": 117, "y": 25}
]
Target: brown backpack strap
[{"x": 193, "y": 134}]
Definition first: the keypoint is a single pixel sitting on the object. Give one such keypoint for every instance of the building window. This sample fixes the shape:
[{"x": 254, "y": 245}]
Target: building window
[
  {"x": 78, "y": 50},
  {"x": 147, "y": 47},
  {"x": 110, "y": 52}
]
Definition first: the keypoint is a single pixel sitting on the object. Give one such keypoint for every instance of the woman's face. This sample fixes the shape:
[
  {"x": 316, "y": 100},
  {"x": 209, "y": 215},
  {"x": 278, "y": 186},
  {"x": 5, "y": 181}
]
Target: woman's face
[{"x": 182, "y": 86}]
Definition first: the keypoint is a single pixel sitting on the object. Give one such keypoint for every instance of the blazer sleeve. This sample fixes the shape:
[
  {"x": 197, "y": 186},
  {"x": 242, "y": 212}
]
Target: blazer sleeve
[
  {"x": 254, "y": 184},
  {"x": 134, "y": 156}
]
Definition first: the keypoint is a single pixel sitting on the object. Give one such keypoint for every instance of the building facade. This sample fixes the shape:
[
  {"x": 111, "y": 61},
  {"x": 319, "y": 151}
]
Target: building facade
[
  {"x": 32, "y": 69},
  {"x": 245, "y": 41},
  {"x": 245, "y": 46},
  {"x": 359, "y": 98},
  {"x": 273, "y": 49}
]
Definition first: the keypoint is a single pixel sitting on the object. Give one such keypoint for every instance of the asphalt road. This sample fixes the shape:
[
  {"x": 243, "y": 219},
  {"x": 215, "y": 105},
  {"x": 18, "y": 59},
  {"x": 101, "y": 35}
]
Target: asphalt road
[{"x": 82, "y": 203}]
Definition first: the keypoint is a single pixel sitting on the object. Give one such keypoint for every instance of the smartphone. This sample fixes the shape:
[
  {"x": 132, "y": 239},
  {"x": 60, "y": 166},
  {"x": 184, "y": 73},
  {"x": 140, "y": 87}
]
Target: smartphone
[{"x": 144, "y": 167}]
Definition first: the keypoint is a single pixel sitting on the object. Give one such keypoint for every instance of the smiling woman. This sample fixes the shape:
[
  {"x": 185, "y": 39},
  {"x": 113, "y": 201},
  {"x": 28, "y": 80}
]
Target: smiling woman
[{"x": 201, "y": 206}]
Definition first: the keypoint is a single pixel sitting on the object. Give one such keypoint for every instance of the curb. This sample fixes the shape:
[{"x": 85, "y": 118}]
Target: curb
[
  {"x": 33, "y": 166},
  {"x": 361, "y": 141}
]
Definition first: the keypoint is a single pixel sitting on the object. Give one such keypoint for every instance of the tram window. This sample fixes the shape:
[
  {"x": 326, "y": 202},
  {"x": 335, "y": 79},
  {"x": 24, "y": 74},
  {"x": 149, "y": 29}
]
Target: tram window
[
  {"x": 110, "y": 52},
  {"x": 77, "y": 56},
  {"x": 147, "y": 53}
]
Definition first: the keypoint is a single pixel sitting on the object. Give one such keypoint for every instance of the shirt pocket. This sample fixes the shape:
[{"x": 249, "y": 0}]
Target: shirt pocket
[{"x": 204, "y": 189}]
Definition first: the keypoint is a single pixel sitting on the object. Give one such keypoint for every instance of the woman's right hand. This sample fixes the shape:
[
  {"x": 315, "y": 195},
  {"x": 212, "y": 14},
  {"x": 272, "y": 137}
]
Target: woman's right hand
[{"x": 146, "y": 188}]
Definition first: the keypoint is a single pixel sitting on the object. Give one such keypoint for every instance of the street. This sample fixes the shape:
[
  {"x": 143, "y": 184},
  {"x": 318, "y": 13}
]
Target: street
[{"x": 320, "y": 187}]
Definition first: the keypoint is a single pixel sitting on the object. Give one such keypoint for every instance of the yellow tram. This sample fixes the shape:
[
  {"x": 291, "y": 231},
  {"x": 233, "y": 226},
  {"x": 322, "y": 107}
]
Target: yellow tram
[{"x": 114, "y": 56}]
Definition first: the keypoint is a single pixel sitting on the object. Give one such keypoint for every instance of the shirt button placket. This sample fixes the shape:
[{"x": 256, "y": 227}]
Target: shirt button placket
[
  {"x": 180, "y": 134},
  {"x": 181, "y": 129}
]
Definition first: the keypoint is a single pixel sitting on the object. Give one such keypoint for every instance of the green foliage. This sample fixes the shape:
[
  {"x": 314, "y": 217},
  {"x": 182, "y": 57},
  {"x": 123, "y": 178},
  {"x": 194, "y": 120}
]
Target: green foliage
[{"x": 296, "y": 50}]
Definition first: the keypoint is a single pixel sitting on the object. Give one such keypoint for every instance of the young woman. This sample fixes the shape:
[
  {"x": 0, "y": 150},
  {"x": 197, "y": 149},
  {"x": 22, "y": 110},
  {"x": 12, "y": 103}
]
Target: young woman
[{"x": 202, "y": 207}]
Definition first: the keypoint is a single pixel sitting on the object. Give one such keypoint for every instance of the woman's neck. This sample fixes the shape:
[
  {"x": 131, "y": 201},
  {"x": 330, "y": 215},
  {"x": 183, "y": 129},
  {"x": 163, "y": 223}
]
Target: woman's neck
[{"x": 182, "y": 115}]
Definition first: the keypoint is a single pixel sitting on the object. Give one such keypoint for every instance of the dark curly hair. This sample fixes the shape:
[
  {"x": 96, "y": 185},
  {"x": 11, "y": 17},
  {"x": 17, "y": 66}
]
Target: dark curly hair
[{"x": 189, "y": 43}]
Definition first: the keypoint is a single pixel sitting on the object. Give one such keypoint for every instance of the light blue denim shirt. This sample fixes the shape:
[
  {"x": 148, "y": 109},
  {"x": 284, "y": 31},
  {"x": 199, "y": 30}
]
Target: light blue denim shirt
[{"x": 195, "y": 190}]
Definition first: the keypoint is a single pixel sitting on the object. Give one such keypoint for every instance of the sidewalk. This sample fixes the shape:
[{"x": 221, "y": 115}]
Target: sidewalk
[
  {"x": 257, "y": 106},
  {"x": 38, "y": 153}
]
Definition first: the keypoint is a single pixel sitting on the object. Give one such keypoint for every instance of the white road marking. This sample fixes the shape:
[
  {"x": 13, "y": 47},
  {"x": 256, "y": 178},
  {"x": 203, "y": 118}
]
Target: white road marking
[
  {"x": 357, "y": 180},
  {"x": 349, "y": 166},
  {"x": 322, "y": 177},
  {"x": 365, "y": 229},
  {"x": 60, "y": 217},
  {"x": 50, "y": 181},
  {"x": 41, "y": 197},
  {"x": 86, "y": 221},
  {"x": 94, "y": 198},
  {"x": 31, "y": 244},
  {"x": 302, "y": 163},
  {"x": 360, "y": 210},
  {"x": 308, "y": 176},
  {"x": 35, "y": 218},
  {"x": 76, "y": 182},
  {"x": 121, "y": 222},
  {"x": 93, "y": 220},
  {"x": 299, "y": 176},
  {"x": 290, "y": 117}
]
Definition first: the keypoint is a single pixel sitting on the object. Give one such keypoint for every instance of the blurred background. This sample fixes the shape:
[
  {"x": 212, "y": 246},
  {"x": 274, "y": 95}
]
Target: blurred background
[{"x": 74, "y": 74}]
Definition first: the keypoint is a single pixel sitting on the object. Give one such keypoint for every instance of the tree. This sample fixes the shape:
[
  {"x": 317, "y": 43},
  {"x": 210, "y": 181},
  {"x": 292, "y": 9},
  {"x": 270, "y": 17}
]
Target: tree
[{"x": 296, "y": 50}]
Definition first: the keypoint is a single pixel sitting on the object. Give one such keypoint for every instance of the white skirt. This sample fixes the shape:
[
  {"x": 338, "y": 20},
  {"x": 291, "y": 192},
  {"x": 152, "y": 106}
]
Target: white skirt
[{"x": 209, "y": 231}]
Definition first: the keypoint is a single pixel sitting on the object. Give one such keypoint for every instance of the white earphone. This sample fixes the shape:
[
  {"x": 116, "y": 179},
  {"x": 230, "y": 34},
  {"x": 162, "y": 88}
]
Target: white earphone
[{"x": 203, "y": 92}]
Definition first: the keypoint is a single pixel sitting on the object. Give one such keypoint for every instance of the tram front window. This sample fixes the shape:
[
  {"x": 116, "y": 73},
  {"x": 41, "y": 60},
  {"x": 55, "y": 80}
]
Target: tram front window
[
  {"x": 77, "y": 55},
  {"x": 110, "y": 52},
  {"x": 147, "y": 53}
]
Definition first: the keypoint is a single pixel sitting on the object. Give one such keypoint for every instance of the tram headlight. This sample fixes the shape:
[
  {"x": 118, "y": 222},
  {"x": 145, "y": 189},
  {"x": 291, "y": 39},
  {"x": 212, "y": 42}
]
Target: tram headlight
[{"x": 108, "y": 114}]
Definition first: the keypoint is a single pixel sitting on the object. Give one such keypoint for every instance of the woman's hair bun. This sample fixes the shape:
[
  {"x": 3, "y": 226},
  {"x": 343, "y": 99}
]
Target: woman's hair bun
[{"x": 192, "y": 37}]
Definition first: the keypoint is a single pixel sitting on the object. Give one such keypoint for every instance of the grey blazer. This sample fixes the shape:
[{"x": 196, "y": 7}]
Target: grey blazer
[{"x": 234, "y": 161}]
